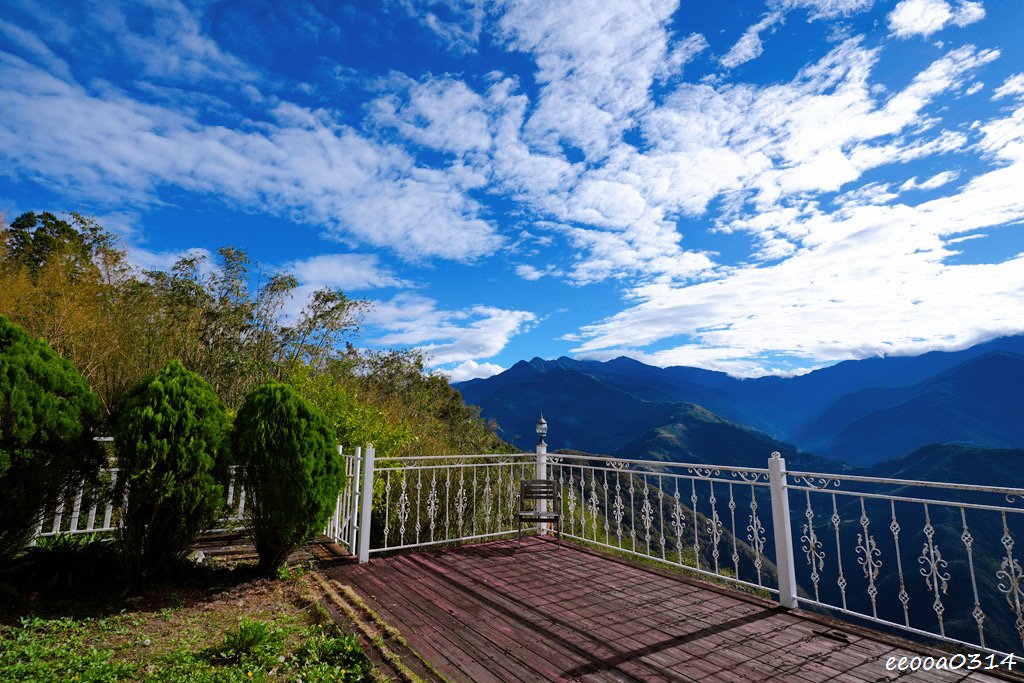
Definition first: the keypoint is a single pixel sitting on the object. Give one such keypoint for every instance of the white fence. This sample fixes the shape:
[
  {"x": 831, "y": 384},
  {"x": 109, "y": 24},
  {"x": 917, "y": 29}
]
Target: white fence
[
  {"x": 936, "y": 560},
  {"x": 922, "y": 558},
  {"x": 933, "y": 559},
  {"x": 92, "y": 509}
]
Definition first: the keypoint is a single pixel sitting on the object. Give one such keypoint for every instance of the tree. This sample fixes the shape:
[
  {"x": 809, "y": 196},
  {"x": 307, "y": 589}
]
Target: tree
[
  {"x": 68, "y": 281},
  {"x": 172, "y": 442},
  {"x": 35, "y": 240},
  {"x": 291, "y": 470},
  {"x": 439, "y": 421},
  {"x": 355, "y": 422},
  {"x": 47, "y": 414},
  {"x": 64, "y": 280}
]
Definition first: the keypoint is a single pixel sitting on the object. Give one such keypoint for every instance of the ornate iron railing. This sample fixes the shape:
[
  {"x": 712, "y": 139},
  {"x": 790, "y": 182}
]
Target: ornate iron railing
[
  {"x": 709, "y": 520},
  {"x": 930, "y": 558},
  {"x": 874, "y": 549},
  {"x": 429, "y": 500},
  {"x": 343, "y": 526}
]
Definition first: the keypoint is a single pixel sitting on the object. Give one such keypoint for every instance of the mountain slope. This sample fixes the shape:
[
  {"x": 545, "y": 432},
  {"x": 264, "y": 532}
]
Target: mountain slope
[
  {"x": 696, "y": 435},
  {"x": 864, "y": 411},
  {"x": 591, "y": 416},
  {"x": 786, "y": 403},
  {"x": 978, "y": 402},
  {"x": 958, "y": 464}
]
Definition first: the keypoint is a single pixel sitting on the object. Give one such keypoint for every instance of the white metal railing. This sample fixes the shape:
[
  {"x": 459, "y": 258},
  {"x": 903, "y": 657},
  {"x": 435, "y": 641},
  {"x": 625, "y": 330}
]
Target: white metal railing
[
  {"x": 96, "y": 501},
  {"x": 930, "y": 558},
  {"x": 681, "y": 515},
  {"x": 430, "y": 500},
  {"x": 689, "y": 516},
  {"x": 343, "y": 526},
  {"x": 735, "y": 524}
]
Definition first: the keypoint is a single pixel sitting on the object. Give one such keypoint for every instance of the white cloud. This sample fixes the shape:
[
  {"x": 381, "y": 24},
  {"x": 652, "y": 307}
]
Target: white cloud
[
  {"x": 749, "y": 46},
  {"x": 682, "y": 54},
  {"x": 925, "y": 17},
  {"x": 32, "y": 46},
  {"x": 596, "y": 62},
  {"x": 172, "y": 43},
  {"x": 470, "y": 369},
  {"x": 827, "y": 9},
  {"x": 966, "y": 238},
  {"x": 147, "y": 259},
  {"x": 446, "y": 336},
  {"x": 865, "y": 280},
  {"x": 620, "y": 210},
  {"x": 461, "y": 26},
  {"x": 934, "y": 182},
  {"x": 443, "y": 114},
  {"x": 1012, "y": 87},
  {"x": 344, "y": 271},
  {"x": 531, "y": 274},
  {"x": 872, "y": 193},
  {"x": 111, "y": 148}
]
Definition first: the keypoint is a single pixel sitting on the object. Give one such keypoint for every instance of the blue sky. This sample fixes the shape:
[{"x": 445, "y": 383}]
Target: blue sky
[{"x": 752, "y": 186}]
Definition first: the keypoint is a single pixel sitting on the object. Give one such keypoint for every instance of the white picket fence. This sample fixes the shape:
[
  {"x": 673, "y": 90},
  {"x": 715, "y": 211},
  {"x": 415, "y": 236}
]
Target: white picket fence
[{"x": 91, "y": 508}]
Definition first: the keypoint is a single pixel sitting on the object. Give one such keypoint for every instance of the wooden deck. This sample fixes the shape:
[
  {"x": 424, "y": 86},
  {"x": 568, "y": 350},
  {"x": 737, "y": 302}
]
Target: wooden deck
[{"x": 493, "y": 613}]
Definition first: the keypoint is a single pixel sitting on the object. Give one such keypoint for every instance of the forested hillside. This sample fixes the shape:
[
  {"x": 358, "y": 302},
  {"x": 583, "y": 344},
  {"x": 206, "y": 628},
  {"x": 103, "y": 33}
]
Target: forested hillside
[{"x": 69, "y": 281}]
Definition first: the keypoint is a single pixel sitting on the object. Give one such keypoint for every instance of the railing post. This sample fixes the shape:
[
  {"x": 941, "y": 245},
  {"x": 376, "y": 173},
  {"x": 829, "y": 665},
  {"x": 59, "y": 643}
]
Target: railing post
[
  {"x": 365, "y": 505},
  {"x": 542, "y": 473},
  {"x": 354, "y": 509},
  {"x": 783, "y": 533}
]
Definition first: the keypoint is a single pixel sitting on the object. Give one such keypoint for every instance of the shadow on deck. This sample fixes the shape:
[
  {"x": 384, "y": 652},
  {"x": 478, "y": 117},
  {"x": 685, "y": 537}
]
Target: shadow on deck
[{"x": 490, "y": 612}]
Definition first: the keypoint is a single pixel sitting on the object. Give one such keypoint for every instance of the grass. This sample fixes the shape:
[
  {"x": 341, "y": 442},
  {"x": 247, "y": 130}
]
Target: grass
[{"x": 255, "y": 631}]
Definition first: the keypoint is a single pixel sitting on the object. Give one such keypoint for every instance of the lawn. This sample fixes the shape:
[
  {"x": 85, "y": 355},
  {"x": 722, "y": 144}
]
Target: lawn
[{"x": 250, "y": 631}]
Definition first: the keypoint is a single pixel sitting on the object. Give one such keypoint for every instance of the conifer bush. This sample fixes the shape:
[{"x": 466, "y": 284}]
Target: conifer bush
[
  {"x": 172, "y": 438},
  {"x": 47, "y": 415},
  {"x": 291, "y": 470}
]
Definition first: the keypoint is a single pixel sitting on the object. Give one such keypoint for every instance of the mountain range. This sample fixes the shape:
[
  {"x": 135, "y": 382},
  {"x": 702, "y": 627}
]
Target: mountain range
[{"x": 858, "y": 412}]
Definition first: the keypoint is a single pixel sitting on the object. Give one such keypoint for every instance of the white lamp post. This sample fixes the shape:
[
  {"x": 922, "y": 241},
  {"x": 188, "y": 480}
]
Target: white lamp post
[
  {"x": 542, "y": 430},
  {"x": 542, "y": 466}
]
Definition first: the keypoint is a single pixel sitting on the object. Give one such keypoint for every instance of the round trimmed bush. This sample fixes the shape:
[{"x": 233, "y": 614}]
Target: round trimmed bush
[
  {"x": 291, "y": 470},
  {"x": 47, "y": 415},
  {"x": 172, "y": 441}
]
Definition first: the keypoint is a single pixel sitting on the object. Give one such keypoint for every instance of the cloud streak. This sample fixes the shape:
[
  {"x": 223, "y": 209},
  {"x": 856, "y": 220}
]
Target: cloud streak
[{"x": 446, "y": 336}]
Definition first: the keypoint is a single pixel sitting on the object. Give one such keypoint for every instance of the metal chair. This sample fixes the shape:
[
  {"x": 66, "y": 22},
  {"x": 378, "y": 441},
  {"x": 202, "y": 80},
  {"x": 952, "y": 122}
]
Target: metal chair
[{"x": 537, "y": 490}]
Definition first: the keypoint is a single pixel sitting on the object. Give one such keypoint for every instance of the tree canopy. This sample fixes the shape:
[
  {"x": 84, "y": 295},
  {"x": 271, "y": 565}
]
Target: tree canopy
[{"x": 69, "y": 281}]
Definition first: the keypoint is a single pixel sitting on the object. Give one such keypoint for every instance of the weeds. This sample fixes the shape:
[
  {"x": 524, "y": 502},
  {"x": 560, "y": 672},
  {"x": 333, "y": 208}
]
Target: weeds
[
  {"x": 139, "y": 646},
  {"x": 254, "y": 643}
]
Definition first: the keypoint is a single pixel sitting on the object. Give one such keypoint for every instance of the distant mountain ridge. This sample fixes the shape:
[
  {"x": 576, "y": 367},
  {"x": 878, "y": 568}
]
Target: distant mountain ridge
[{"x": 861, "y": 412}]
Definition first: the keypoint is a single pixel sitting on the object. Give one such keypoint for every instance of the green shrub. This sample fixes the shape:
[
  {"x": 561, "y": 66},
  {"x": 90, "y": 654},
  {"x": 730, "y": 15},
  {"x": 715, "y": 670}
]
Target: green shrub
[
  {"x": 291, "y": 470},
  {"x": 47, "y": 413},
  {"x": 172, "y": 439},
  {"x": 67, "y": 563}
]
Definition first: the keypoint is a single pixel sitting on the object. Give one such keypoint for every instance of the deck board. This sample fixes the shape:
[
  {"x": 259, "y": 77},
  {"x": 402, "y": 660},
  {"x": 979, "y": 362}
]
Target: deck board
[{"x": 540, "y": 612}]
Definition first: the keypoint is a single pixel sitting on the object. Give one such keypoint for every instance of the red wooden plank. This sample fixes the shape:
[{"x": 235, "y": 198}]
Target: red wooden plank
[{"x": 495, "y": 611}]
